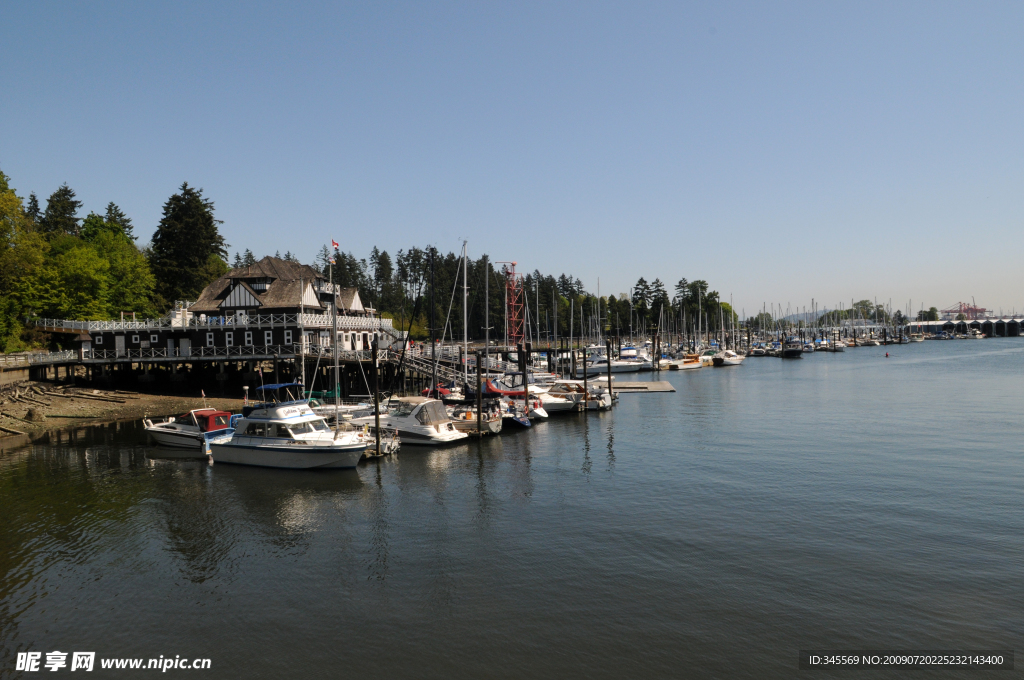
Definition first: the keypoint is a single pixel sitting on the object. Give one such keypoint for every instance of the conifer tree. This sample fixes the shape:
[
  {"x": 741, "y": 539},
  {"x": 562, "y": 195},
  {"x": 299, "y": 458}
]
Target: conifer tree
[
  {"x": 115, "y": 216},
  {"x": 238, "y": 261},
  {"x": 187, "y": 247},
  {"x": 61, "y": 216},
  {"x": 32, "y": 209}
]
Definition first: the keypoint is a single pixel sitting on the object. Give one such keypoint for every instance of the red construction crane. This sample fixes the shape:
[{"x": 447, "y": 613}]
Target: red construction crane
[{"x": 514, "y": 302}]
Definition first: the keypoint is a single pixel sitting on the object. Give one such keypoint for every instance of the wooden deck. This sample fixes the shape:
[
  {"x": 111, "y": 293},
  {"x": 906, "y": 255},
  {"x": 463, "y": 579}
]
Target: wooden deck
[{"x": 645, "y": 386}]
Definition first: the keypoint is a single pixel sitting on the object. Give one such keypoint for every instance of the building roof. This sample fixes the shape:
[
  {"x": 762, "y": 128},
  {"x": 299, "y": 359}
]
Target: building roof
[
  {"x": 275, "y": 268},
  {"x": 290, "y": 287}
]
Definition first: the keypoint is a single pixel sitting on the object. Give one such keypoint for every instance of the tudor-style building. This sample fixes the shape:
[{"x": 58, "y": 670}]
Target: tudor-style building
[{"x": 271, "y": 308}]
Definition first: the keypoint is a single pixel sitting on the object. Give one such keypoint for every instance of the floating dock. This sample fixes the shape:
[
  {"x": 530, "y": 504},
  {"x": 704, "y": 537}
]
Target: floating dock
[{"x": 645, "y": 386}]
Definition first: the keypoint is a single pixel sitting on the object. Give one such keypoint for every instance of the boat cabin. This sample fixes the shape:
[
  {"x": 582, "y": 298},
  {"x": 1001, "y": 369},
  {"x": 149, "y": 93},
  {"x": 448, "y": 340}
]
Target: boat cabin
[{"x": 207, "y": 419}]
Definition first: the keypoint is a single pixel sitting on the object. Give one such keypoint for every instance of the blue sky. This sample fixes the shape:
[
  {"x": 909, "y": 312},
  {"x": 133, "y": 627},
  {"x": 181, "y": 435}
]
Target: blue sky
[{"x": 782, "y": 151}]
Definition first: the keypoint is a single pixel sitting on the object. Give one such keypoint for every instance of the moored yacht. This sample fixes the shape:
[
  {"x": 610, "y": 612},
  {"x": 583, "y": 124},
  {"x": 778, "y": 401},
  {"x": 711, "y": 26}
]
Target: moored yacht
[
  {"x": 190, "y": 430},
  {"x": 418, "y": 420},
  {"x": 288, "y": 435},
  {"x": 727, "y": 358}
]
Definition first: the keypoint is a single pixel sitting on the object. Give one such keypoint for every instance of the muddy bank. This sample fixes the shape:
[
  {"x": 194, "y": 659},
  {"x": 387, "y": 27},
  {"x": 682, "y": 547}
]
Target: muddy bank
[{"x": 30, "y": 408}]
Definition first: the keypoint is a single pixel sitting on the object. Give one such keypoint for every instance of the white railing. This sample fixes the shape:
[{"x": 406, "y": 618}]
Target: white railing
[
  {"x": 202, "y": 321},
  {"x": 30, "y": 358}
]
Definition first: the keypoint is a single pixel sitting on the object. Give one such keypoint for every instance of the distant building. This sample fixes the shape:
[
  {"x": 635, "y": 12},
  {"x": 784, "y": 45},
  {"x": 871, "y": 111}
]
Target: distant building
[{"x": 271, "y": 308}]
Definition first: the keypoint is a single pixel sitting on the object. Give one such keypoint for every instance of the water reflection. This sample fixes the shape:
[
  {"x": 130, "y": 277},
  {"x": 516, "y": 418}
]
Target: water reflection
[
  {"x": 380, "y": 523},
  {"x": 611, "y": 448},
  {"x": 587, "y": 463}
]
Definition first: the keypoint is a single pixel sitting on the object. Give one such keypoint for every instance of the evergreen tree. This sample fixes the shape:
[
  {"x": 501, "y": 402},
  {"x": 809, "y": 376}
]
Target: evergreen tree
[
  {"x": 187, "y": 247},
  {"x": 681, "y": 293},
  {"x": 238, "y": 261},
  {"x": 659, "y": 299},
  {"x": 61, "y": 216},
  {"x": 32, "y": 212},
  {"x": 248, "y": 259},
  {"x": 115, "y": 216}
]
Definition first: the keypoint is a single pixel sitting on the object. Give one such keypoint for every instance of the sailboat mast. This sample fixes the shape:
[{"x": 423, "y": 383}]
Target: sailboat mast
[
  {"x": 334, "y": 344},
  {"x": 465, "y": 319},
  {"x": 487, "y": 313}
]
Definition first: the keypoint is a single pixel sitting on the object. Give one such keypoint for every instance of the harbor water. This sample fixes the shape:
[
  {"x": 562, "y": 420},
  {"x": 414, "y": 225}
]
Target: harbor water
[{"x": 840, "y": 501}]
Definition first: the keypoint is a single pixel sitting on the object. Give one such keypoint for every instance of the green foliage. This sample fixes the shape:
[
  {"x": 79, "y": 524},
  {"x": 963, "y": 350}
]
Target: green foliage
[
  {"x": 61, "y": 215},
  {"x": 931, "y": 315},
  {"x": 82, "y": 269},
  {"x": 22, "y": 251},
  {"x": 131, "y": 284},
  {"x": 114, "y": 216},
  {"x": 74, "y": 281},
  {"x": 184, "y": 246}
]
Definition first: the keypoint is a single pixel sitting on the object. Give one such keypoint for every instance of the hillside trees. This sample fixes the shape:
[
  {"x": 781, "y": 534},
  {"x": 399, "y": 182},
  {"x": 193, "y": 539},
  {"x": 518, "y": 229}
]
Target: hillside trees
[
  {"x": 22, "y": 251},
  {"x": 188, "y": 251}
]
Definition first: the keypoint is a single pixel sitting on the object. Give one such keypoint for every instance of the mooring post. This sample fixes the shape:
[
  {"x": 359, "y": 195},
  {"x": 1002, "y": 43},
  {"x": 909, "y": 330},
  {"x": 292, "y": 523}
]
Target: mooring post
[
  {"x": 479, "y": 397},
  {"x": 586, "y": 391},
  {"x": 376, "y": 398},
  {"x": 608, "y": 349}
]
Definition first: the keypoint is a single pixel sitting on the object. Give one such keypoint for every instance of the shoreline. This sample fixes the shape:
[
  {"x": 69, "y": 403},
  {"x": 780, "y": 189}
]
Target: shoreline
[{"x": 29, "y": 409}]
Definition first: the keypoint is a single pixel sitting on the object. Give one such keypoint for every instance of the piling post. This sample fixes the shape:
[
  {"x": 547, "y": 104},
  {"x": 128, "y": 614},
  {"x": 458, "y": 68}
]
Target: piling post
[
  {"x": 479, "y": 398},
  {"x": 376, "y": 398},
  {"x": 608, "y": 349},
  {"x": 586, "y": 392}
]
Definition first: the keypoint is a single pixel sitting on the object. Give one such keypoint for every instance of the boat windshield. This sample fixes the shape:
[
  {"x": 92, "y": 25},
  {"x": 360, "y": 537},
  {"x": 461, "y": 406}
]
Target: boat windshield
[
  {"x": 432, "y": 413},
  {"x": 404, "y": 408},
  {"x": 308, "y": 427}
]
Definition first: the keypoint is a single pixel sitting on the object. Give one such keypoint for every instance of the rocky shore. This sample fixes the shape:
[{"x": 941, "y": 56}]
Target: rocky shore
[{"x": 30, "y": 408}]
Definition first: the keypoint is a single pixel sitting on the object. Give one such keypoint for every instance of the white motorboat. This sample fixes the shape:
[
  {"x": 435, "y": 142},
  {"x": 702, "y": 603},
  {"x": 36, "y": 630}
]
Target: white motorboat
[
  {"x": 727, "y": 358},
  {"x": 288, "y": 435},
  {"x": 465, "y": 418},
  {"x": 418, "y": 420},
  {"x": 687, "y": 362},
  {"x": 191, "y": 430},
  {"x": 596, "y": 397}
]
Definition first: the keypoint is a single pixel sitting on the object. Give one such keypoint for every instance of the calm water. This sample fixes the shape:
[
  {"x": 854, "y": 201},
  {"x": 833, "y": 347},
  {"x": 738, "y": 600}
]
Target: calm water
[{"x": 839, "y": 501}]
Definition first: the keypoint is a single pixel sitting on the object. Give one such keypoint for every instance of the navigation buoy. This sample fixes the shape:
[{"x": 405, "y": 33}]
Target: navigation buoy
[{"x": 886, "y": 354}]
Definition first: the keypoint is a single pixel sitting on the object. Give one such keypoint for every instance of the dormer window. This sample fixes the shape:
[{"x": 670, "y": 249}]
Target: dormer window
[{"x": 259, "y": 284}]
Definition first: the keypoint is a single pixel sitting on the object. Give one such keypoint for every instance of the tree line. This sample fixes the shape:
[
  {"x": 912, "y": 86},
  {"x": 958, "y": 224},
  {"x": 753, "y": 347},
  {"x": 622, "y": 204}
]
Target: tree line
[
  {"x": 399, "y": 288},
  {"x": 56, "y": 264}
]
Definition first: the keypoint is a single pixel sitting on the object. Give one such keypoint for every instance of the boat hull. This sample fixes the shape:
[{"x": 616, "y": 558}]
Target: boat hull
[
  {"x": 176, "y": 439},
  {"x": 289, "y": 457},
  {"x": 469, "y": 426}
]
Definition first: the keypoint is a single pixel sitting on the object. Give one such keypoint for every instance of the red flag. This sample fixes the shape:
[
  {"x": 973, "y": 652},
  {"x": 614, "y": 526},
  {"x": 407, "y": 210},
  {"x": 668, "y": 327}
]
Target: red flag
[{"x": 334, "y": 243}]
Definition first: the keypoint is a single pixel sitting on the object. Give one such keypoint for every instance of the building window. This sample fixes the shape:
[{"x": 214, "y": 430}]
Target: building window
[
  {"x": 154, "y": 338},
  {"x": 209, "y": 339},
  {"x": 135, "y": 339},
  {"x": 229, "y": 339},
  {"x": 287, "y": 337},
  {"x": 99, "y": 339},
  {"x": 268, "y": 337},
  {"x": 248, "y": 338}
]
